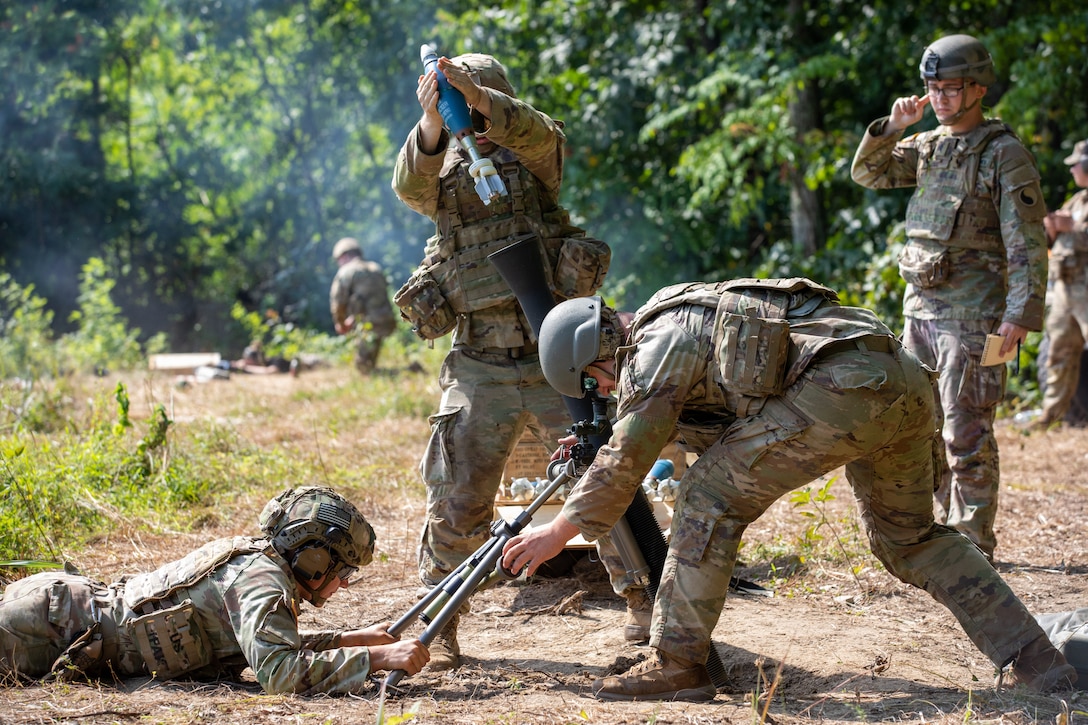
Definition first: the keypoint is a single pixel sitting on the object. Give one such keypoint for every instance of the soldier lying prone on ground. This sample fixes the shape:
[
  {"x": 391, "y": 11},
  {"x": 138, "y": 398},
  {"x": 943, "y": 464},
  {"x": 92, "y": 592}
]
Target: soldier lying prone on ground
[{"x": 232, "y": 603}]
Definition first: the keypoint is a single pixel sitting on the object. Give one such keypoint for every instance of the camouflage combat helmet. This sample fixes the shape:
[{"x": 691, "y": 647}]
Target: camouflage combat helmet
[
  {"x": 489, "y": 71},
  {"x": 1079, "y": 155},
  {"x": 314, "y": 529},
  {"x": 575, "y": 334},
  {"x": 345, "y": 245},
  {"x": 957, "y": 56}
]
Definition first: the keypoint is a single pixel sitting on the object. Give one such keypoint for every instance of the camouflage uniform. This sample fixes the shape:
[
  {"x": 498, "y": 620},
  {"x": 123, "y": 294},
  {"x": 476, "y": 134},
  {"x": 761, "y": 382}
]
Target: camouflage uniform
[
  {"x": 492, "y": 383},
  {"x": 245, "y": 602},
  {"x": 360, "y": 289},
  {"x": 852, "y": 396},
  {"x": 975, "y": 257},
  {"x": 1067, "y": 318}
]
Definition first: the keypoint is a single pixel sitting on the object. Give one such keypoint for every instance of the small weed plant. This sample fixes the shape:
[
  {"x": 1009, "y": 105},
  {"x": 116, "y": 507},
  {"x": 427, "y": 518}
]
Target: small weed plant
[{"x": 812, "y": 504}]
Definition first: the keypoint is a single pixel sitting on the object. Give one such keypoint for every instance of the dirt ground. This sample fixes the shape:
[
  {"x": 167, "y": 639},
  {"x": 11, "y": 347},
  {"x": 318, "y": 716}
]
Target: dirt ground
[{"x": 839, "y": 643}]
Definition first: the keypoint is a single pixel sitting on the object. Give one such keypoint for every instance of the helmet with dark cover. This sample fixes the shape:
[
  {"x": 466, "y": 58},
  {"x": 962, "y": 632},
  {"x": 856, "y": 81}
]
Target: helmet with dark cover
[
  {"x": 314, "y": 529},
  {"x": 575, "y": 334},
  {"x": 957, "y": 56}
]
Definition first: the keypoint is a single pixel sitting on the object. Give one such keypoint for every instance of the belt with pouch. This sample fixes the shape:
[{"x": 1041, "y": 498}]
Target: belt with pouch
[
  {"x": 865, "y": 343},
  {"x": 511, "y": 353}
]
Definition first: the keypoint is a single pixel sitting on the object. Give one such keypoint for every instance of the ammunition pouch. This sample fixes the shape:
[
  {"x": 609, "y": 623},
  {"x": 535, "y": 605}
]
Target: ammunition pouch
[
  {"x": 583, "y": 263},
  {"x": 171, "y": 641},
  {"x": 423, "y": 305},
  {"x": 932, "y": 218},
  {"x": 922, "y": 267},
  {"x": 752, "y": 353}
]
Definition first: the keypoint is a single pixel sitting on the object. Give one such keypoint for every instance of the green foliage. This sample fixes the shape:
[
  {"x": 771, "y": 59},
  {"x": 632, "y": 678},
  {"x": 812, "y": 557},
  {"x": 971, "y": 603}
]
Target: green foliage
[
  {"x": 26, "y": 338},
  {"x": 1024, "y": 390},
  {"x": 34, "y": 405},
  {"x": 805, "y": 497},
  {"x": 85, "y": 461},
  {"x": 102, "y": 340},
  {"x": 212, "y": 158},
  {"x": 123, "y": 421},
  {"x": 56, "y": 491},
  {"x": 279, "y": 338}
]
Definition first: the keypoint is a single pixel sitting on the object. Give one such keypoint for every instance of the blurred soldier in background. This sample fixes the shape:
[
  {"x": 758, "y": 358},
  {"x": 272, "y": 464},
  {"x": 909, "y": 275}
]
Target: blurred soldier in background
[
  {"x": 230, "y": 604},
  {"x": 1067, "y": 318},
  {"x": 359, "y": 302},
  {"x": 974, "y": 261}
]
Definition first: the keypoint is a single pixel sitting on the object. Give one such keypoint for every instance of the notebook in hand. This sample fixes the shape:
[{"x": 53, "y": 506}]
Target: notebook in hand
[{"x": 991, "y": 351}]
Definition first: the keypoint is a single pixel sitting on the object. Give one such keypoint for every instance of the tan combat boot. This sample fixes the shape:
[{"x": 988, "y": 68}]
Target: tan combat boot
[
  {"x": 659, "y": 677},
  {"x": 640, "y": 610},
  {"x": 1039, "y": 667},
  {"x": 445, "y": 652}
]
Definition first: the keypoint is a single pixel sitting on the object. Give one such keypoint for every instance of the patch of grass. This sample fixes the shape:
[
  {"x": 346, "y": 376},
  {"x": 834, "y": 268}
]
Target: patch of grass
[
  {"x": 391, "y": 392},
  {"x": 177, "y": 458},
  {"x": 59, "y": 490}
]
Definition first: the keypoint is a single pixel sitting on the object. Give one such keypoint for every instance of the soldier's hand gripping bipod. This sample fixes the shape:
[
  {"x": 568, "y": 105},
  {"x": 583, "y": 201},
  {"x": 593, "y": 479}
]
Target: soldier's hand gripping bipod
[{"x": 441, "y": 603}]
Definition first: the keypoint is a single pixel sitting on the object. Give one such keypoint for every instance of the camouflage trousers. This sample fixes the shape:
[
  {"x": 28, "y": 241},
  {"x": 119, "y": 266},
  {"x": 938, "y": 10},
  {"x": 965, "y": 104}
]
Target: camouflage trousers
[
  {"x": 42, "y": 615},
  {"x": 368, "y": 345},
  {"x": 488, "y": 400},
  {"x": 969, "y": 476},
  {"x": 1067, "y": 329},
  {"x": 872, "y": 413}
]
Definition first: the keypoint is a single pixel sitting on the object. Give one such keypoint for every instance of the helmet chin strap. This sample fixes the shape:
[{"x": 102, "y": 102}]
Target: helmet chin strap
[
  {"x": 963, "y": 110},
  {"x": 315, "y": 599}
]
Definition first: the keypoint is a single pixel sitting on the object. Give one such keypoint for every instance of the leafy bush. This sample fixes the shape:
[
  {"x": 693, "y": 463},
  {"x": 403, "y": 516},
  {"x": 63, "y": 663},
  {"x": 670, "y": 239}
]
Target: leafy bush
[
  {"x": 103, "y": 341},
  {"x": 284, "y": 339},
  {"x": 34, "y": 405},
  {"x": 27, "y": 349}
]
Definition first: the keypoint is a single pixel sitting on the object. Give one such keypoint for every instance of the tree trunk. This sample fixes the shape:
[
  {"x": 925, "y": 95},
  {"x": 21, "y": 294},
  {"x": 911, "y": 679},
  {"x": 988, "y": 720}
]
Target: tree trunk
[{"x": 806, "y": 205}]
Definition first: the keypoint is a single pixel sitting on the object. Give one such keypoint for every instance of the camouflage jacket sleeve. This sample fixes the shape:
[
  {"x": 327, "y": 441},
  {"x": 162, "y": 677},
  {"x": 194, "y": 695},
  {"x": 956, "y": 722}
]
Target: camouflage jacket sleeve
[
  {"x": 535, "y": 139},
  {"x": 1077, "y": 206},
  {"x": 261, "y": 603},
  {"x": 1021, "y": 208},
  {"x": 533, "y": 136},
  {"x": 338, "y": 297},
  {"x": 884, "y": 162},
  {"x": 416, "y": 174},
  {"x": 656, "y": 377},
  {"x": 320, "y": 639}
]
